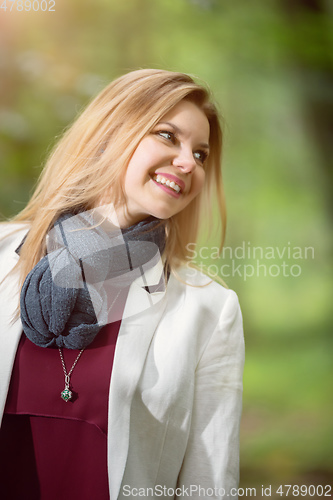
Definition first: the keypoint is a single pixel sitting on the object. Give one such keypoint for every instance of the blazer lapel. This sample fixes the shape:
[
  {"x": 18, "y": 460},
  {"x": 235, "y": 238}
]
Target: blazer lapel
[{"x": 141, "y": 316}]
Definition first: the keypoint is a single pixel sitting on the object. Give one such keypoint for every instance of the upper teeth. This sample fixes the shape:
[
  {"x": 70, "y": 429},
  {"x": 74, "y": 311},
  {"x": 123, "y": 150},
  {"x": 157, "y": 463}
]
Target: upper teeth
[{"x": 163, "y": 180}]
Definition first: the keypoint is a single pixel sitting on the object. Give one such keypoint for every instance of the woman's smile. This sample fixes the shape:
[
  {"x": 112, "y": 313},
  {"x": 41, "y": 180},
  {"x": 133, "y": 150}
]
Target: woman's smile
[{"x": 170, "y": 183}]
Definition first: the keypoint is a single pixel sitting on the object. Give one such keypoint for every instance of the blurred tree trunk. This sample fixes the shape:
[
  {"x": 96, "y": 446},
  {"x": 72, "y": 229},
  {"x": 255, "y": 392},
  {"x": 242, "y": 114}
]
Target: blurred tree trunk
[{"x": 312, "y": 53}]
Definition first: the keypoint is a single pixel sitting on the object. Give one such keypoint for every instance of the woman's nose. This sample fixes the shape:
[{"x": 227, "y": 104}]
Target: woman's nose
[{"x": 185, "y": 161}]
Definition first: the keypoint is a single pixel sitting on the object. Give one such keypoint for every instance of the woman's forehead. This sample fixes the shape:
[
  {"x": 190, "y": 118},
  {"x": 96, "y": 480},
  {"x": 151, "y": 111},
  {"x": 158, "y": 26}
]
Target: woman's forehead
[{"x": 187, "y": 117}]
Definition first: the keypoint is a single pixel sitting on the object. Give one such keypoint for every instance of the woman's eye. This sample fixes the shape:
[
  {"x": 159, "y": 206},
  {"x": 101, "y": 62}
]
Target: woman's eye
[
  {"x": 201, "y": 156},
  {"x": 170, "y": 136}
]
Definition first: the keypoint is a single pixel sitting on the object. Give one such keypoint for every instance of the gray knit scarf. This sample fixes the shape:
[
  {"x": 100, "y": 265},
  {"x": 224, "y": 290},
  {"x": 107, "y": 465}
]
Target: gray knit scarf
[{"x": 67, "y": 297}]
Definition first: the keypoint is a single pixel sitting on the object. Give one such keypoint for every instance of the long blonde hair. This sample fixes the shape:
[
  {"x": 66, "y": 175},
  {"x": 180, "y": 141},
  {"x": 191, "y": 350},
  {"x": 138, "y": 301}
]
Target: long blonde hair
[{"x": 76, "y": 173}]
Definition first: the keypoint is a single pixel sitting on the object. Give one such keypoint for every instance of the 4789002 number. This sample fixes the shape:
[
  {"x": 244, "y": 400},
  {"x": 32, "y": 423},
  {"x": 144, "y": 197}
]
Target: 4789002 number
[
  {"x": 294, "y": 490},
  {"x": 28, "y": 5}
]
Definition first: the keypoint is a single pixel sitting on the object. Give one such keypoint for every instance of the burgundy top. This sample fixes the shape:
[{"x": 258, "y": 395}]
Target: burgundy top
[{"x": 50, "y": 449}]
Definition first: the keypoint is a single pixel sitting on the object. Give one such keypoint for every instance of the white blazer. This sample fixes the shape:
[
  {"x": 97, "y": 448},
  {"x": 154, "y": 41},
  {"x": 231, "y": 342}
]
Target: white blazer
[{"x": 176, "y": 385}]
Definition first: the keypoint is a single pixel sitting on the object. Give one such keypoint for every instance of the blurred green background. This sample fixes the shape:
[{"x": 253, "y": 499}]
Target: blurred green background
[{"x": 270, "y": 65}]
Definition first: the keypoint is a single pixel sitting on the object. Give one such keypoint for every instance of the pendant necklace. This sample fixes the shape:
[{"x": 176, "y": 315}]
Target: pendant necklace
[{"x": 67, "y": 394}]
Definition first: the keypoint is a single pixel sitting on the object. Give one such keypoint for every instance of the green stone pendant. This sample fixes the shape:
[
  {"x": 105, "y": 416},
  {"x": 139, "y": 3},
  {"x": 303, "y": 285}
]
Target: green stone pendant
[{"x": 66, "y": 394}]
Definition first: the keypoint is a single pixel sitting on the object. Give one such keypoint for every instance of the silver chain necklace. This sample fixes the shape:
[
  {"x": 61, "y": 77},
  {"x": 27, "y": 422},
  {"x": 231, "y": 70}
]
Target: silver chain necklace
[{"x": 67, "y": 394}]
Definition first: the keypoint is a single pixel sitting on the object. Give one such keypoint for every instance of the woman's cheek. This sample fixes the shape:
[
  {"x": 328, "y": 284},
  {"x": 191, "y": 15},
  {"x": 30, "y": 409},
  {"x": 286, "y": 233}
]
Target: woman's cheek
[{"x": 199, "y": 181}]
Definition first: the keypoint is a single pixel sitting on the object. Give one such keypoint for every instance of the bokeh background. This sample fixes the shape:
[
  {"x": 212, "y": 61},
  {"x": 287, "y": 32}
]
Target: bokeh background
[{"x": 270, "y": 66}]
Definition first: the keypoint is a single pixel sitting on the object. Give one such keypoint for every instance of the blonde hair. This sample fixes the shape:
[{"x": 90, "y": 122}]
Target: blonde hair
[{"x": 76, "y": 173}]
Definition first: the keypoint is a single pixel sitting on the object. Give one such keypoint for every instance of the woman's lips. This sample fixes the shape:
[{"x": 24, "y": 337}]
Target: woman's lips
[
  {"x": 173, "y": 178},
  {"x": 167, "y": 188}
]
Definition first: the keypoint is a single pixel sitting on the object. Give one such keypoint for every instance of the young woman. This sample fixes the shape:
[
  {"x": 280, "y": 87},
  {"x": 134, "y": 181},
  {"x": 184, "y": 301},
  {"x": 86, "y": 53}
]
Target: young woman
[{"x": 121, "y": 365}]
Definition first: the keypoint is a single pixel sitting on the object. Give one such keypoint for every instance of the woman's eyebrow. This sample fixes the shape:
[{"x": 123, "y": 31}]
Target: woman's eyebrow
[{"x": 180, "y": 132}]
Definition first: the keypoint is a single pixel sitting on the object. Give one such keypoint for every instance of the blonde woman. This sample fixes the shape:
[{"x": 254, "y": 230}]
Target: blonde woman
[{"x": 121, "y": 366}]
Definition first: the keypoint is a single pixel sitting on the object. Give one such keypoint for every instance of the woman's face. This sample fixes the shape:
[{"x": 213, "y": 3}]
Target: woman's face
[{"x": 167, "y": 169}]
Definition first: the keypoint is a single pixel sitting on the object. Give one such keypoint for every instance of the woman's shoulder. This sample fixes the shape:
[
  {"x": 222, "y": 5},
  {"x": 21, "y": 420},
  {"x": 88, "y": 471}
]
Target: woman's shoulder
[
  {"x": 195, "y": 277},
  {"x": 208, "y": 306},
  {"x": 11, "y": 235},
  {"x": 198, "y": 286}
]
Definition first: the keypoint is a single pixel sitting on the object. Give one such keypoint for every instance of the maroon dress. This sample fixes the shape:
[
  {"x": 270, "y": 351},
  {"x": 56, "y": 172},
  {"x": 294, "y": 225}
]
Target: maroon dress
[{"x": 50, "y": 449}]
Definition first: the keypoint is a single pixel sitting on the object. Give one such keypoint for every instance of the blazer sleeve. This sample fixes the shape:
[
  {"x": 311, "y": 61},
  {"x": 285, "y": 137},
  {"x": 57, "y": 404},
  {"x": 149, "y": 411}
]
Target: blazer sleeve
[{"x": 210, "y": 467}]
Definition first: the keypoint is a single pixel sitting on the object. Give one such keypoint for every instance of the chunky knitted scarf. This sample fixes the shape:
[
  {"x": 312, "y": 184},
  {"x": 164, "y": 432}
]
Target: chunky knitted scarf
[{"x": 68, "y": 295}]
